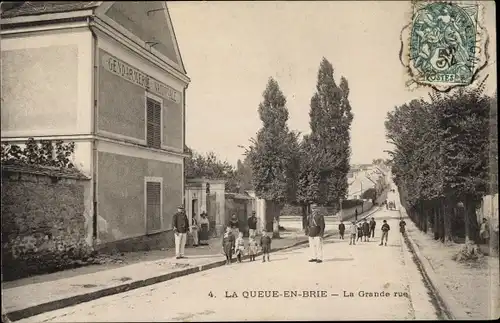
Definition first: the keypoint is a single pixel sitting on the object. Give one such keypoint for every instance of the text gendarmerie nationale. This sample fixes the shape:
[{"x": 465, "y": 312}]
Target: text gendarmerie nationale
[{"x": 310, "y": 294}]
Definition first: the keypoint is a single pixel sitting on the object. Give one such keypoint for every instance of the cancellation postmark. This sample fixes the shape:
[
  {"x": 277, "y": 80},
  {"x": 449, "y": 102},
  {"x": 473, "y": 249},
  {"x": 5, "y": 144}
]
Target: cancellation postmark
[{"x": 444, "y": 46}]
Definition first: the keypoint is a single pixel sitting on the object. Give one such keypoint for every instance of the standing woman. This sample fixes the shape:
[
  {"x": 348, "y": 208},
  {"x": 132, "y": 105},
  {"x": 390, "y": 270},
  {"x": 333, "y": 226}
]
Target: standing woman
[{"x": 204, "y": 228}]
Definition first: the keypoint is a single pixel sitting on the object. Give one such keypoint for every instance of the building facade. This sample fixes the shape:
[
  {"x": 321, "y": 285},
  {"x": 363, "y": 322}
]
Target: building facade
[{"x": 109, "y": 77}]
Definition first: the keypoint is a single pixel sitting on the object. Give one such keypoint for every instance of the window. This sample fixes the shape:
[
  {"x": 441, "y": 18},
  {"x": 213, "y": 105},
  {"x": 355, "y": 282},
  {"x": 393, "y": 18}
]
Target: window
[
  {"x": 153, "y": 122},
  {"x": 153, "y": 204}
]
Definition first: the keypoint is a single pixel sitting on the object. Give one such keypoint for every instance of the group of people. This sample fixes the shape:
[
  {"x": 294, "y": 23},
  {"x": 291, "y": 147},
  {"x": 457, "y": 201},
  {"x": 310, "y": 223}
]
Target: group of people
[
  {"x": 236, "y": 246},
  {"x": 357, "y": 232},
  {"x": 362, "y": 230},
  {"x": 232, "y": 240},
  {"x": 180, "y": 225}
]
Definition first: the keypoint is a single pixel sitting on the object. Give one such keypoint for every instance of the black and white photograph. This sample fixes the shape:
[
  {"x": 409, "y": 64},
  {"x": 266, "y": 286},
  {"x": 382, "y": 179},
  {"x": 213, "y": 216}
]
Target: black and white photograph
[{"x": 220, "y": 161}]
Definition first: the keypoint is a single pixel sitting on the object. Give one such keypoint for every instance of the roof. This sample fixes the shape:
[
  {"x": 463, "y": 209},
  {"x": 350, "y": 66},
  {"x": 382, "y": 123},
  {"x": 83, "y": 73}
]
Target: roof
[
  {"x": 32, "y": 8},
  {"x": 20, "y": 167}
]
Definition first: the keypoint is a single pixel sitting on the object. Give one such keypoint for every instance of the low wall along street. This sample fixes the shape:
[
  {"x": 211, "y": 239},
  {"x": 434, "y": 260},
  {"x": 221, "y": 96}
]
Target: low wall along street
[{"x": 43, "y": 223}]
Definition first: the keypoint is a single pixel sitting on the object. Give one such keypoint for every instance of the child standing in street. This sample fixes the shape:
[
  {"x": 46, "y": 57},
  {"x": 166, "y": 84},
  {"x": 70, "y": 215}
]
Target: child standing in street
[
  {"x": 239, "y": 246},
  {"x": 385, "y": 232},
  {"x": 341, "y": 229},
  {"x": 265, "y": 244},
  {"x": 352, "y": 233},
  {"x": 252, "y": 247},
  {"x": 228, "y": 245},
  {"x": 366, "y": 229},
  {"x": 360, "y": 232},
  {"x": 402, "y": 225}
]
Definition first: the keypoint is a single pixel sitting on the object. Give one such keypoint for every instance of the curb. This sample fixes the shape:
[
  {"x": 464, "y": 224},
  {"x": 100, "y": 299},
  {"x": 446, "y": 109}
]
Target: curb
[
  {"x": 90, "y": 296},
  {"x": 450, "y": 306}
]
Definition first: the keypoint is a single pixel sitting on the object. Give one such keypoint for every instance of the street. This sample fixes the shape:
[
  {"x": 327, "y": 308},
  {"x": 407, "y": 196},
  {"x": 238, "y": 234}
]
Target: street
[{"x": 361, "y": 282}]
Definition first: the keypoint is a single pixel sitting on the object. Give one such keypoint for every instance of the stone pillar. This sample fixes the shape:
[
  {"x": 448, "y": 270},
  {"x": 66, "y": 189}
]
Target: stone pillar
[
  {"x": 218, "y": 187},
  {"x": 203, "y": 197}
]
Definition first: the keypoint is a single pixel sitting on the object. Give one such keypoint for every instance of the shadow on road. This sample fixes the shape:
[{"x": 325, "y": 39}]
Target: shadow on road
[
  {"x": 278, "y": 259},
  {"x": 291, "y": 253},
  {"x": 338, "y": 259}
]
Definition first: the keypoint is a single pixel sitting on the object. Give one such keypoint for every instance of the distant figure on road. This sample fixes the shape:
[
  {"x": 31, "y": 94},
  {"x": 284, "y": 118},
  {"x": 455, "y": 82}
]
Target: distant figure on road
[
  {"x": 386, "y": 205},
  {"x": 228, "y": 243},
  {"x": 252, "y": 247},
  {"x": 252, "y": 224},
  {"x": 373, "y": 224},
  {"x": 235, "y": 225},
  {"x": 180, "y": 224},
  {"x": 356, "y": 215},
  {"x": 366, "y": 229},
  {"x": 402, "y": 225},
  {"x": 484, "y": 231},
  {"x": 265, "y": 244},
  {"x": 360, "y": 232},
  {"x": 204, "y": 228},
  {"x": 239, "y": 246},
  {"x": 353, "y": 229},
  {"x": 385, "y": 233},
  {"x": 316, "y": 224},
  {"x": 341, "y": 229}
]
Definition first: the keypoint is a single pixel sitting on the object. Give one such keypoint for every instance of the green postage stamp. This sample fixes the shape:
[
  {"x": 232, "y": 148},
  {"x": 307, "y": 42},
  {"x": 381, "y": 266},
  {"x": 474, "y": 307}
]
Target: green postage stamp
[{"x": 444, "y": 46}]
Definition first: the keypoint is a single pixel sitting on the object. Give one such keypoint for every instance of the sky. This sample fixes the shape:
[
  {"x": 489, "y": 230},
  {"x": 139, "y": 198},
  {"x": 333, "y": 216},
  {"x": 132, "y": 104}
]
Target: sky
[{"x": 230, "y": 49}]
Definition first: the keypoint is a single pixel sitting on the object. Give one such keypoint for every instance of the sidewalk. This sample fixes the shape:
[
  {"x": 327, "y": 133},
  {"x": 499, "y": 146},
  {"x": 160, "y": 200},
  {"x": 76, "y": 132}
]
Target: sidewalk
[
  {"x": 58, "y": 290},
  {"x": 467, "y": 291},
  {"x": 470, "y": 291}
]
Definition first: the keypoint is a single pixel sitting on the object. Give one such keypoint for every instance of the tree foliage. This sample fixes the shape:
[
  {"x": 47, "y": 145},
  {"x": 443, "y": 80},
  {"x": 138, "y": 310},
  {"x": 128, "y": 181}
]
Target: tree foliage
[
  {"x": 325, "y": 153},
  {"x": 273, "y": 155},
  {"x": 244, "y": 174},
  {"x": 209, "y": 166},
  {"x": 441, "y": 158},
  {"x": 43, "y": 153}
]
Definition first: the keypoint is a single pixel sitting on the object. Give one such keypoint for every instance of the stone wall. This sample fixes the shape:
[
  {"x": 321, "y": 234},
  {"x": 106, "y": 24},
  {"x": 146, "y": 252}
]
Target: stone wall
[
  {"x": 242, "y": 208},
  {"x": 43, "y": 223}
]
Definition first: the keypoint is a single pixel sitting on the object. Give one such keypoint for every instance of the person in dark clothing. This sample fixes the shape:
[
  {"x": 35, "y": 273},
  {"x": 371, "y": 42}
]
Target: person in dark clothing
[
  {"x": 265, "y": 244},
  {"x": 180, "y": 225},
  {"x": 366, "y": 230},
  {"x": 386, "y": 205},
  {"x": 204, "y": 227},
  {"x": 316, "y": 230},
  {"x": 385, "y": 232},
  {"x": 341, "y": 229},
  {"x": 373, "y": 224},
  {"x": 356, "y": 215},
  {"x": 228, "y": 244},
  {"x": 252, "y": 225},
  {"x": 360, "y": 232},
  {"x": 234, "y": 224},
  {"x": 402, "y": 225}
]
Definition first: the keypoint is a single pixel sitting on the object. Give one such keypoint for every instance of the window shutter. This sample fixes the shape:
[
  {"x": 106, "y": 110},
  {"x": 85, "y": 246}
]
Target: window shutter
[
  {"x": 153, "y": 123},
  {"x": 153, "y": 206}
]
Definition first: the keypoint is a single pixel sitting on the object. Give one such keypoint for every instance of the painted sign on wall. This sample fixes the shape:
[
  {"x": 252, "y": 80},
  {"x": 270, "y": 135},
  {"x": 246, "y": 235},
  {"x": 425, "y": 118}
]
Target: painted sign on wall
[{"x": 131, "y": 74}]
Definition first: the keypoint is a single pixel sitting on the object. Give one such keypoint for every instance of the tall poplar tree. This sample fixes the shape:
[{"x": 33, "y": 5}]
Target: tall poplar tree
[
  {"x": 273, "y": 156},
  {"x": 324, "y": 168}
]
